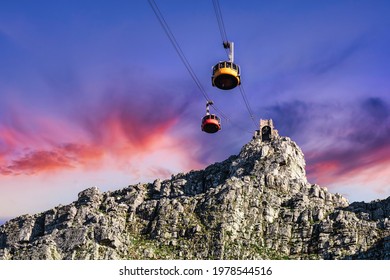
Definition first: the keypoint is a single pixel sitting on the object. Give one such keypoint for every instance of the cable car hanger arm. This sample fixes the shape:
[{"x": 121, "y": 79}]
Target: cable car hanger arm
[{"x": 230, "y": 46}]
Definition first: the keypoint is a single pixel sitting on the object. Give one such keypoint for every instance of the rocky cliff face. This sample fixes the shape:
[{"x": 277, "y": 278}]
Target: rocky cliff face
[{"x": 257, "y": 205}]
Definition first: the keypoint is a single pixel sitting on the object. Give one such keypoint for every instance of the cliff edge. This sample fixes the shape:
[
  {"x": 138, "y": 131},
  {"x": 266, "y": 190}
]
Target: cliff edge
[{"x": 254, "y": 205}]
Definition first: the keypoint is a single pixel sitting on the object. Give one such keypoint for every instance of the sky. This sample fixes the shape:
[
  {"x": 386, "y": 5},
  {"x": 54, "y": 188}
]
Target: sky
[{"x": 93, "y": 93}]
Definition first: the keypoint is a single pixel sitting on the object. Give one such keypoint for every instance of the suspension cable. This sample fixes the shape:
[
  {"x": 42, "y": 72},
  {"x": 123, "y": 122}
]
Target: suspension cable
[
  {"x": 248, "y": 107},
  {"x": 183, "y": 58},
  {"x": 223, "y": 33},
  {"x": 221, "y": 25}
]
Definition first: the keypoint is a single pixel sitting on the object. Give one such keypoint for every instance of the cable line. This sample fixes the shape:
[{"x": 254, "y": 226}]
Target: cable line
[
  {"x": 248, "y": 107},
  {"x": 221, "y": 25},
  {"x": 183, "y": 58},
  {"x": 225, "y": 41}
]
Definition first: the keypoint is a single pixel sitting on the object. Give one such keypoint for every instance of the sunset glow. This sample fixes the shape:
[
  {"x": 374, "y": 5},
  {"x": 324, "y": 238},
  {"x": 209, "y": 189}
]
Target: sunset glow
[{"x": 95, "y": 94}]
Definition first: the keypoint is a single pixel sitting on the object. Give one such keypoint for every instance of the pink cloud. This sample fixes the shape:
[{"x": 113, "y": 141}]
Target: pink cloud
[
  {"x": 38, "y": 161},
  {"x": 109, "y": 138},
  {"x": 365, "y": 166}
]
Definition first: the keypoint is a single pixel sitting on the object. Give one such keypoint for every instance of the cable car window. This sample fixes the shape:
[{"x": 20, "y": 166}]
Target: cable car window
[
  {"x": 229, "y": 64},
  {"x": 234, "y": 66},
  {"x": 222, "y": 65}
]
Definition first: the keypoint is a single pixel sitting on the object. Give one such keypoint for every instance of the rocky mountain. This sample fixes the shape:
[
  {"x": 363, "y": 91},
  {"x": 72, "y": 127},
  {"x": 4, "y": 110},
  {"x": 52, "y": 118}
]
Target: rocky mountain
[{"x": 254, "y": 205}]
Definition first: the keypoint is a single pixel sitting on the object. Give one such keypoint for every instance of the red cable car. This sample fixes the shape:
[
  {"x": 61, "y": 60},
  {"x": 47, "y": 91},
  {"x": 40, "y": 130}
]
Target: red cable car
[{"x": 210, "y": 123}]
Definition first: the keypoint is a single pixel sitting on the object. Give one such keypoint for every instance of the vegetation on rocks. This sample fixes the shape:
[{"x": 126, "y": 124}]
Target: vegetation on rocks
[{"x": 256, "y": 205}]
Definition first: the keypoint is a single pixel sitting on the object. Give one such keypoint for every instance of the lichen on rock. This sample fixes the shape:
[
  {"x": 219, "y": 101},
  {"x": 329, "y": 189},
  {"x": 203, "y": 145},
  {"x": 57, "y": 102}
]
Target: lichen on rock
[{"x": 254, "y": 205}]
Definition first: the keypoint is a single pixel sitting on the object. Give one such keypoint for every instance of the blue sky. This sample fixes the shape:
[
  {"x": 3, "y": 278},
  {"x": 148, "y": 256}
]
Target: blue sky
[{"x": 93, "y": 92}]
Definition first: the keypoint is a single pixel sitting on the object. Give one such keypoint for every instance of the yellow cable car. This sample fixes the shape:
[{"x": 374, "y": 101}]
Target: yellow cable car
[{"x": 226, "y": 74}]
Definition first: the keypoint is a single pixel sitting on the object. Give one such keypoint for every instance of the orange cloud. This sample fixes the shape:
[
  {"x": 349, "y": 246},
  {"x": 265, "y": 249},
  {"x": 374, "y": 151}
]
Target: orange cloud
[
  {"x": 117, "y": 143},
  {"x": 39, "y": 161},
  {"x": 117, "y": 132}
]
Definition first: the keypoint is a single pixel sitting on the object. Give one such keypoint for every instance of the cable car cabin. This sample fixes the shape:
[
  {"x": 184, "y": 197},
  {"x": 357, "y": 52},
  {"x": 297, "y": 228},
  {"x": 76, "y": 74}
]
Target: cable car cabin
[
  {"x": 226, "y": 75},
  {"x": 211, "y": 124}
]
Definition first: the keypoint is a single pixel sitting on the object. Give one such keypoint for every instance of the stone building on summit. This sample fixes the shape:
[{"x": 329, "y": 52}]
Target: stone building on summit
[{"x": 267, "y": 131}]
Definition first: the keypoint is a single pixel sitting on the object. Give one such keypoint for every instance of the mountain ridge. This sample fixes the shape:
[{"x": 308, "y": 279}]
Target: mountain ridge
[{"x": 254, "y": 205}]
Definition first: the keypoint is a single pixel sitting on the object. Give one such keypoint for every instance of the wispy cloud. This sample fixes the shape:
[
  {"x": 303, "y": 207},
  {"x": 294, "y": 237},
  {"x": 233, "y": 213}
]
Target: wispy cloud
[
  {"x": 330, "y": 57},
  {"x": 338, "y": 147},
  {"x": 117, "y": 129}
]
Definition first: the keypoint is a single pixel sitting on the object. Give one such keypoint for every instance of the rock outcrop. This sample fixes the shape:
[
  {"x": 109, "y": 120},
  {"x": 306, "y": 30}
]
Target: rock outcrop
[{"x": 256, "y": 205}]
